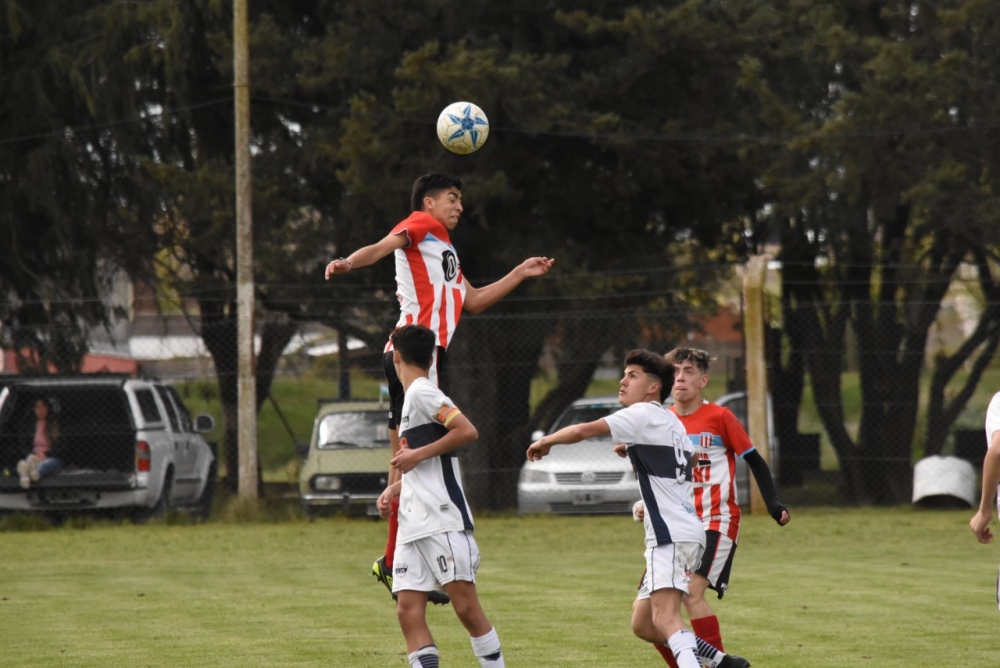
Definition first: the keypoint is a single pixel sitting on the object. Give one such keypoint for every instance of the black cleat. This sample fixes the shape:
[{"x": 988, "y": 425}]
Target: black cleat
[
  {"x": 438, "y": 598},
  {"x": 733, "y": 661},
  {"x": 383, "y": 574}
]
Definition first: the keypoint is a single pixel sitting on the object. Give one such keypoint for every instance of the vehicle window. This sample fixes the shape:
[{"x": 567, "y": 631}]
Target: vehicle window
[
  {"x": 147, "y": 404},
  {"x": 578, "y": 414},
  {"x": 738, "y": 406},
  {"x": 182, "y": 412},
  {"x": 171, "y": 413},
  {"x": 366, "y": 429}
]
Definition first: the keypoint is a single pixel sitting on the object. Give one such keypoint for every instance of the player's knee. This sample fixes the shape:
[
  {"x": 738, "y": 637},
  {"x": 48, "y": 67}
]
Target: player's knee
[{"x": 645, "y": 631}]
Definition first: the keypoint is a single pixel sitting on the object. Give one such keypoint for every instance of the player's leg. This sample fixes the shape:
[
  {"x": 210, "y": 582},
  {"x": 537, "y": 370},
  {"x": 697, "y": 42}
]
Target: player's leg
[
  {"x": 666, "y": 612},
  {"x": 410, "y": 589},
  {"x": 456, "y": 560},
  {"x": 712, "y": 573},
  {"x": 382, "y": 568},
  {"x": 411, "y": 612},
  {"x": 668, "y": 569},
  {"x": 642, "y": 623}
]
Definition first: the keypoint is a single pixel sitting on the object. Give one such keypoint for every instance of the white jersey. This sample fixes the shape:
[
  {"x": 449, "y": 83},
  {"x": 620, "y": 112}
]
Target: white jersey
[
  {"x": 432, "y": 499},
  {"x": 992, "y": 425},
  {"x": 661, "y": 458}
]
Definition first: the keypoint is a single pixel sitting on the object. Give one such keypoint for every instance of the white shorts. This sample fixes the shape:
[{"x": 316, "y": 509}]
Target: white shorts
[
  {"x": 669, "y": 566},
  {"x": 428, "y": 563}
]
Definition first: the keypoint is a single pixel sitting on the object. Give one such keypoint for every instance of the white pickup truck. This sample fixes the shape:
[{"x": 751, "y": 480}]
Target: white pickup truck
[{"x": 124, "y": 444}]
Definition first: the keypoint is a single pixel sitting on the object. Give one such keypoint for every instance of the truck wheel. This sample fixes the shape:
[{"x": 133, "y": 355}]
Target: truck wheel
[
  {"x": 159, "y": 509},
  {"x": 203, "y": 507}
]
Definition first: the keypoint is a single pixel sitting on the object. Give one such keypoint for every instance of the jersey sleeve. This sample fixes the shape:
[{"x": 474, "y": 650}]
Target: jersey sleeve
[
  {"x": 431, "y": 401},
  {"x": 416, "y": 226},
  {"x": 625, "y": 425},
  {"x": 734, "y": 435}
]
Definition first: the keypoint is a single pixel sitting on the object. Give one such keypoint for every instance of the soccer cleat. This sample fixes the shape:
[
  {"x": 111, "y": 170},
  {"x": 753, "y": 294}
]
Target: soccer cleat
[
  {"x": 438, "y": 598},
  {"x": 383, "y": 574},
  {"x": 733, "y": 661}
]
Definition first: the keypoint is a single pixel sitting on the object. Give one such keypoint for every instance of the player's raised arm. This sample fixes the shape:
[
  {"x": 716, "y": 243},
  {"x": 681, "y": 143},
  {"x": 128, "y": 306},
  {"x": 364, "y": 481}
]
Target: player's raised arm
[
  {"x": 574, "y": 433},
  {"x": 366, "y": 255},
  {"x": 478, "y": 300}
]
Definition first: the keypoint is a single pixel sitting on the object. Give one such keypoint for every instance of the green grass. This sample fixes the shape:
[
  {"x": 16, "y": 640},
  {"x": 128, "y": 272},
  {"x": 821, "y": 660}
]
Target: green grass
[{"x": 861, "y": 587}]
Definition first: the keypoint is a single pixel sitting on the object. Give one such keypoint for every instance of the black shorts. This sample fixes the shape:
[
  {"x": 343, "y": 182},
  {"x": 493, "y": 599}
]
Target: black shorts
[
  {"x": 712, "y": 556},
  {"x": 396, "y": 386}
]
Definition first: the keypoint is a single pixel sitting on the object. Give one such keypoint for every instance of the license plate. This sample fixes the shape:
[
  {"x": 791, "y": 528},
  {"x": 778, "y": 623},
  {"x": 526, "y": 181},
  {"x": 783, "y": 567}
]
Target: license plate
[
  {"x": 587, "y": 498},
  {"x": 371, "y": 510}
]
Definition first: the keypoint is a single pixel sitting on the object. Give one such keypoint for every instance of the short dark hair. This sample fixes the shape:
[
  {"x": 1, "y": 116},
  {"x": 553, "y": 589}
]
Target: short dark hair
[
  {"x": 696, "y": 356},
  {"x": 653, "y": 365},
  {"x": 431, "y": 184},
  {"x": 415, "y": 344}
]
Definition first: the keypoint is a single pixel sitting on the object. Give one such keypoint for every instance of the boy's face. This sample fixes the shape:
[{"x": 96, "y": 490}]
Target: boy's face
[
  {"x": 445, "y": 207},
  {"x": 636, "y": 385},
  {"x": 688, "y": 382}
]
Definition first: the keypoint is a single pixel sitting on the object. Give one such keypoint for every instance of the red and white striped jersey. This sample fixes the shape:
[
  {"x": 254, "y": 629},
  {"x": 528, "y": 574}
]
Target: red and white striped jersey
[
  {"x": 718, "y": 438},
  {"x": 429, "y": 282}
]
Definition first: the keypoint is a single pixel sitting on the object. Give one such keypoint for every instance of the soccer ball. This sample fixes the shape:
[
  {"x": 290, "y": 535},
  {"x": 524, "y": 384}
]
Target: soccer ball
[{"x": 462, "y": 127}]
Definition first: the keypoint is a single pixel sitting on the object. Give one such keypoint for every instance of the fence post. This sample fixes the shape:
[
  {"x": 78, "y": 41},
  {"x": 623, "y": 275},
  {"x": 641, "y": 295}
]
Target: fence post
[{"x": 753, "y": 335}]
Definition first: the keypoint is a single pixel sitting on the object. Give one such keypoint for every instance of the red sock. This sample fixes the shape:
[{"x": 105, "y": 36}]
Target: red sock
[
  {"x": 666, "y": 653},
  {"x": 707, "y": 628},
  {"x": 390, "y": 543}
]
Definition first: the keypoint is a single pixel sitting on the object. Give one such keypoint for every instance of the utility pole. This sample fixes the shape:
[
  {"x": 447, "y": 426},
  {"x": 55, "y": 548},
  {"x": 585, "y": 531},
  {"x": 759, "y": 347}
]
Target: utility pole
[
  {"x": 754, "y": 320},
  {"x": 247, "y": 411}
]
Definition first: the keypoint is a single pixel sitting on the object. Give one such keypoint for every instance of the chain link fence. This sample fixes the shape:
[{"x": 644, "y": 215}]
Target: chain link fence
[{"x": 514, "y": 371}]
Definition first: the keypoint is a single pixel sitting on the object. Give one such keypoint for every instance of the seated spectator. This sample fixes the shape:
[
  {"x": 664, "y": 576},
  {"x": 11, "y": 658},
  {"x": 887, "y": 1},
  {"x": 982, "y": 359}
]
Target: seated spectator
[{"x": 41, "y": 462}]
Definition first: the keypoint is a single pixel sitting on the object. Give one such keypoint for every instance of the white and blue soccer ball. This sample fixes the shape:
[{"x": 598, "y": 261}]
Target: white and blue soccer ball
[{"x": 463, "y": 127}]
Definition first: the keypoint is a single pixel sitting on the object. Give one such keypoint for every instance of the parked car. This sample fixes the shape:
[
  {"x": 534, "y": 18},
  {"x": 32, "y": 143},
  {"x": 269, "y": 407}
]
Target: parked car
[
  {"x": 125, "y": 444},
  {"x": 588, "y": 478},
  {"x": 347, "y": 460},
  {"x": 584, "y": 478}
]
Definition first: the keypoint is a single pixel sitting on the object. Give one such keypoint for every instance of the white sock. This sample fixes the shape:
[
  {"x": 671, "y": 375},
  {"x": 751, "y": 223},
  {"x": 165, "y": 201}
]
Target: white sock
[
  {"x": 682, "y": 644},
  {"x": 425, "y": 657},
  {"x": 487, "y": 650}
]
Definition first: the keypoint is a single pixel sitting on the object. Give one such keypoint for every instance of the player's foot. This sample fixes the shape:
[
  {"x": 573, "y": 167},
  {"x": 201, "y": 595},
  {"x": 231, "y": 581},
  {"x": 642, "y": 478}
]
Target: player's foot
[
  {"x": 383, "y": 574},
  {"x": 438, "y": 598},
  {"x": 733, "y": 661}
]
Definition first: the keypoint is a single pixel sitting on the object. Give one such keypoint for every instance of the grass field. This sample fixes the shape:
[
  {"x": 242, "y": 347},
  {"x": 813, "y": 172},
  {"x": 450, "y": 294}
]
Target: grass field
[{"x": 861, "y": 587}]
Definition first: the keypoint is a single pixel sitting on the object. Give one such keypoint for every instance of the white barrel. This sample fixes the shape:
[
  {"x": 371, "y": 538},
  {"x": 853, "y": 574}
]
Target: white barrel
[{"x": 941, "y": 480}]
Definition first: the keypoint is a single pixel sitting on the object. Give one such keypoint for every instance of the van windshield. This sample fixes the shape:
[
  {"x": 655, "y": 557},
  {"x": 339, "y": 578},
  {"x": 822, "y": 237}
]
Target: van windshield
[{"x": 357, "y": 429}]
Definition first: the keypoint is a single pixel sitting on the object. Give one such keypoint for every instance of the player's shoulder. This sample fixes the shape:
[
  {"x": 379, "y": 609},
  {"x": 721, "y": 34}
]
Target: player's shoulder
[
  {"x": 710, "y": 409},
  {"x": 419, "y": 224},
  {"x": 423, "y": 389}
]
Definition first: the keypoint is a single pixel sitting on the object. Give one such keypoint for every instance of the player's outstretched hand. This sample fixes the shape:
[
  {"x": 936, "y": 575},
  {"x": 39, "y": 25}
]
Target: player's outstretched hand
[
  {"x": 536, "y": 266},
  {"x": 537, "y": 450},
  {"x": 980, "y": 525},
  {"x": 621, "y": 450},
  {"x": 338, "y": 266}
]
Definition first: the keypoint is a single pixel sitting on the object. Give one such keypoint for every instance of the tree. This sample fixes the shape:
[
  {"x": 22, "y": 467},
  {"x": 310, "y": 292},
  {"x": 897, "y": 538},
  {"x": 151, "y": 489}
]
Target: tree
[
  {"x": 62, "y": 228},
  {"x": 888, "y": 184}
]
